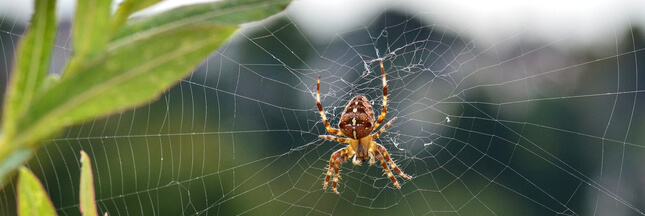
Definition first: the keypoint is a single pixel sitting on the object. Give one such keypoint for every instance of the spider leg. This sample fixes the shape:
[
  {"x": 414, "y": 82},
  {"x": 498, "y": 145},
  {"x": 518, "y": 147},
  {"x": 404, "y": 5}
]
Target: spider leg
[
  {"x": 387, "y": 170},
  {"x": 378, "y": 133},
  {"x": 337, "y": 158},
  {"x": 337, "y": 139},
  {"x": 372, "y": 161},
  {"x": 383, "y": 151},
  {"x": 322, "y": 113},
  {"x": 384, "y": 110}
]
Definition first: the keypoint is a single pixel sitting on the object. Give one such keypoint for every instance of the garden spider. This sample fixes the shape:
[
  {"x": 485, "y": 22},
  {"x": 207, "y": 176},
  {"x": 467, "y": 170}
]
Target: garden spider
[{"x": 356, "y": 123}]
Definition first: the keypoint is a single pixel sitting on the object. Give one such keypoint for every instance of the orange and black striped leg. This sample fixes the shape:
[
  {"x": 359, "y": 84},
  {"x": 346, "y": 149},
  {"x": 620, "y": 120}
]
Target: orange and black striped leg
[
  {"x": 384, "y": 110},
  {"x": 378, "y": 133},
  {"x": 322, "y": 113},
  {"x": 383, "y": 151},
  {"x": 337, "y": 139},
  {"x": 387, "y": 170},
  {"x": 337, "y": 158}
]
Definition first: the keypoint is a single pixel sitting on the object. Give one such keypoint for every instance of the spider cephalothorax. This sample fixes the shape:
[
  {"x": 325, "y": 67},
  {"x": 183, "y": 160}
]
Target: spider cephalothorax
[{"x": 356, "y": 123}]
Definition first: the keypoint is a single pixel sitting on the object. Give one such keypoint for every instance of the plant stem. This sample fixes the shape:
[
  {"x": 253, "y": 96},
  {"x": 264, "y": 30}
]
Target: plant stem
[{"x": 5, "y": 148}]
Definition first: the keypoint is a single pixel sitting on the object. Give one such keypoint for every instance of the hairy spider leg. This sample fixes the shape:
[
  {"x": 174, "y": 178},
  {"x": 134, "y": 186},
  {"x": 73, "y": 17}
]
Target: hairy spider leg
[
  {"x": 337, "y": 139},
  {"x": 377, "y": 134},
  {"x": 337, "y": 158},
  {"x": 322, "y": 113},
  {"x": 387, "y": 170},
  {"x": 383, "y": 151},
  {"x": 372, "y": 161},
  {"x": 384, "y": 110}
]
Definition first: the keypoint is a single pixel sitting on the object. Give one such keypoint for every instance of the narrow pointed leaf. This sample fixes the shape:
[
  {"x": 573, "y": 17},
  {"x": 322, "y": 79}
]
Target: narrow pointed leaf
[
  {"x": 132, "y": 75},
  {"x": 126, "y": 9},
  {"x": 32, "y": 64},
  {"x": 87, "y": 200},
  {"x": 223, "y": 12},
  {"x": 90, "y": 32},
  {"x": 90, "y": 25},
  {"x": 14, "y": 158},
  {"x": 32, "y": 197}
]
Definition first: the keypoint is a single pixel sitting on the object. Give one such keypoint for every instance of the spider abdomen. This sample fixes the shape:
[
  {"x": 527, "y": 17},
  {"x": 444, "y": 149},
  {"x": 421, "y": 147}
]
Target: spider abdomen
[{"x": 357, "y": 120}]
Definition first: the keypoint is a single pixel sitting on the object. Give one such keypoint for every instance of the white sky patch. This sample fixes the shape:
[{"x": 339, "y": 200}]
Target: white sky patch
[
  {"x": 21, "y": 10},
  {"x": 586, "y": 22}
]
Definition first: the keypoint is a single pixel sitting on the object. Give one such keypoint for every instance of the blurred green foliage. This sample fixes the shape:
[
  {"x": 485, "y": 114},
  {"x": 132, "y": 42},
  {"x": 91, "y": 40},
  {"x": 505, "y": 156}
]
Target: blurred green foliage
[{"x": 106, "y": 73}]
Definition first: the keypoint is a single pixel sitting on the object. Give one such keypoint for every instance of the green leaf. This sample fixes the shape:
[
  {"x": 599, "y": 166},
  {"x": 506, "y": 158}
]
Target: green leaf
[
  {"x": 90, "y": 26},
  {"x": 126, "y": 9},
  {"x": 32, "y": 197},
  {"x": 223, "y": 12},
  {"x": 14, "y": 157},
  {"x": 50, "y": 81},
  {"x": 126, "y": 73},
  {"x": 32, "y": 64},
  {"x": 87, "y": 202},
  {"x": 90, "y": 32},
  {"x": 133, "y": 74}
]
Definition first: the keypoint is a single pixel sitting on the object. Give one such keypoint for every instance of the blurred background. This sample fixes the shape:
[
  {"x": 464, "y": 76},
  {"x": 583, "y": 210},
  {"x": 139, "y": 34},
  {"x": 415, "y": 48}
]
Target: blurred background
[{"x": 503, "y": 107}]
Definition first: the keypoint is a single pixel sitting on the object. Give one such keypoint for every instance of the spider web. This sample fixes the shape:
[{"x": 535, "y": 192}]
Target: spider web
[{"x": 517, "y": 124}]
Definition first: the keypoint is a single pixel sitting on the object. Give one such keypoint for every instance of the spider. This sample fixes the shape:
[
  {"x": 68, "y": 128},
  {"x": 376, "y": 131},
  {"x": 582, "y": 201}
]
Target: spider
[{"x": 356, "y": 124}]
